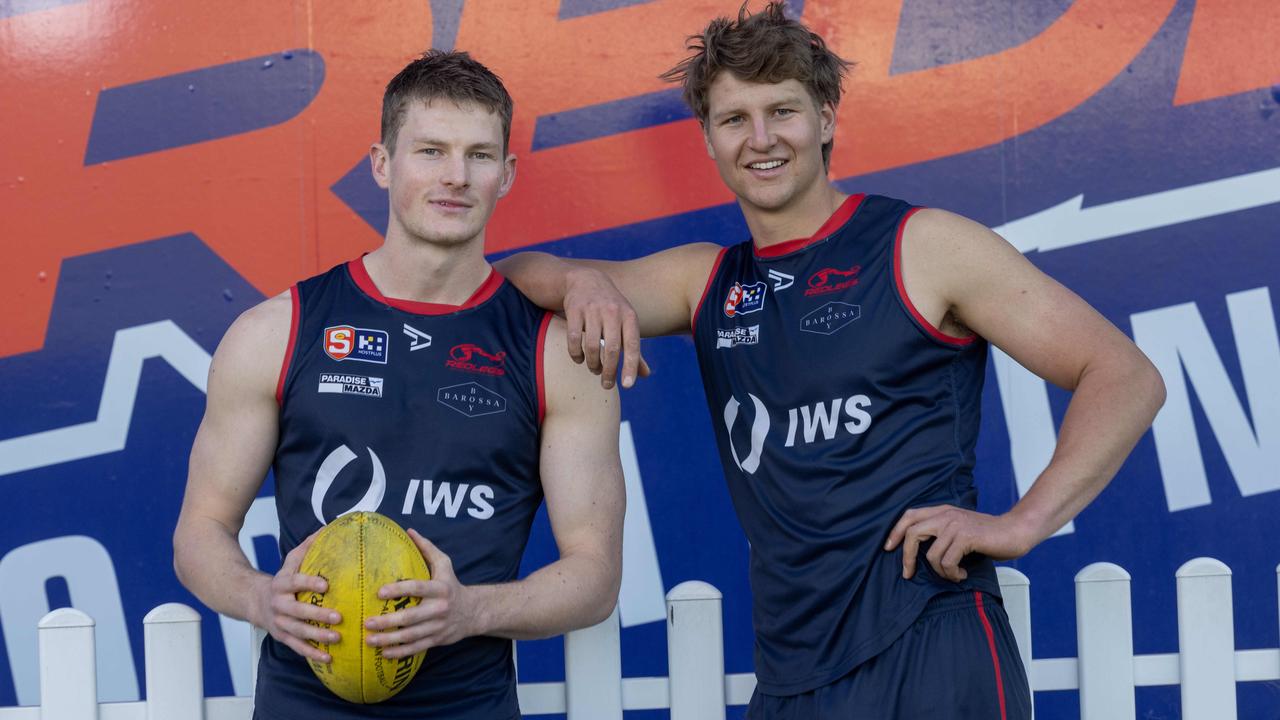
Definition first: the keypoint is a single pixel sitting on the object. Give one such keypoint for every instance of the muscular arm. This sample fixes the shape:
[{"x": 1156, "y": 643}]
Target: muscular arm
[
  {"x": 229, "y": 460},
  {"x": 961, "y": 275},
  {"x": 582, "y": 482},
  {"x": 617, "y": 302}
]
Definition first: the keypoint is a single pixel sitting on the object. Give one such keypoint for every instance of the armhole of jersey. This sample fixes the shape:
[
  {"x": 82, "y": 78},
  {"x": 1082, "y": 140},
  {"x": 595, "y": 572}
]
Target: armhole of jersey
[
  {"x": 288, "y": 351},
  {"x": 541, "y": 367},
  {"x": 920, "y": 320},
  {"x": 715, "y": 268}
]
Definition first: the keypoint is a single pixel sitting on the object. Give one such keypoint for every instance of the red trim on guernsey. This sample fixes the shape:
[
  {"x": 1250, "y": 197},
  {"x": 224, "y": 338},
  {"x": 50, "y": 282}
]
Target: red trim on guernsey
[
  {"x": 991, "y": 644},
  {"x": 293, "y": 340},
  {"x": 361, "y": 277},
  {"x": 541, "y": 367},
  {"x": 833, "y": 223},
  {"x": 715, "y": 267},
  {"x": 906, "y": 300}
]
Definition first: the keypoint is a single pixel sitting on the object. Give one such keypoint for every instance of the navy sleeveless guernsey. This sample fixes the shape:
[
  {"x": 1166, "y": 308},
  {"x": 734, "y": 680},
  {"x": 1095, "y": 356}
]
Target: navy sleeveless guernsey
[
  {"x": 836, "y": 407},
  {"x": 429, "y": 414}
]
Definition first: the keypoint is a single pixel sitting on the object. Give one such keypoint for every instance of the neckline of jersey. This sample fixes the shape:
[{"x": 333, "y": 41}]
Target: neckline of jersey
[
  {"x": 829, "y": 228},
  {"x": 360, "y": 275}
]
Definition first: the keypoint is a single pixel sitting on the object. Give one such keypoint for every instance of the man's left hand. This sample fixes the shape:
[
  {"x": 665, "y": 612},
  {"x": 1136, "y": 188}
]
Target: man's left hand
[
  {"x": 956, "y": 532},
  {"x": 444, "y": 616}
]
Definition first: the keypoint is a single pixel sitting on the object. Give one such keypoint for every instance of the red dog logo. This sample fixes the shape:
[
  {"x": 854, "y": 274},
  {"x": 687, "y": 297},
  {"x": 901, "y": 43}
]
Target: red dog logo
[
  {"x": 470, "y": 357},
  {"x": 829, "y": 280}
]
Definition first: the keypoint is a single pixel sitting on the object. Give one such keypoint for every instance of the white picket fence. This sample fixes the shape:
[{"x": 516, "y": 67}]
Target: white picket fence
[{"x": 1106, "y": 672}]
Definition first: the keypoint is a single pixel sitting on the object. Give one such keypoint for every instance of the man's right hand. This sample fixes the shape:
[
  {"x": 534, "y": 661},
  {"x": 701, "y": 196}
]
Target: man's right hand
[
  {"x": 602, "y": 326},
  {"x": 287, "y": 619}
]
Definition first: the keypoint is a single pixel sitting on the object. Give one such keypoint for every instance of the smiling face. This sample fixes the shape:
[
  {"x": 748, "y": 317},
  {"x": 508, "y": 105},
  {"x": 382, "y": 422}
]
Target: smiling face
[
  {"x": 766, "y": 139},
  {"x": 446, "y": 174}
]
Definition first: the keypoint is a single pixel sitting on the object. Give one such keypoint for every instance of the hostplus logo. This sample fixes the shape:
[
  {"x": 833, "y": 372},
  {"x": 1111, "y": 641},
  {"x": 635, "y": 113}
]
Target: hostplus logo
[
  {"x": 744, "y": 299},
  {"x": 343, "y": 342}
]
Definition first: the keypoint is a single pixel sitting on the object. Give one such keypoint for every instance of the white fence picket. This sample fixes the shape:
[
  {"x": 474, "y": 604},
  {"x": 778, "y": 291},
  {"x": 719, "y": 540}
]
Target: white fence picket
[
  {"x": 1104, "y": 636},
  {"x": 1016, "y": 590},
  {"x": 695, "y": 651},
  {"x": 1207, "y": 666},
  {"x": 175, "y": 681},
  {"x": 1206, "y": 640},
  {"x": 68, "y": 672},
  {"x": 593, "y": 671}
]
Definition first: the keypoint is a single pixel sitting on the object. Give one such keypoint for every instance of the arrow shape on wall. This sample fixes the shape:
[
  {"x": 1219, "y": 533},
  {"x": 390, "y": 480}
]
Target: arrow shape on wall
[{"x": 1069, "y": 223}]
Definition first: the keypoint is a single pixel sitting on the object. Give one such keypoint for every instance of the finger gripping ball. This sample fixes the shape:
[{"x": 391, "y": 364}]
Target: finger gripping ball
[{"x": 359, "y": 553}]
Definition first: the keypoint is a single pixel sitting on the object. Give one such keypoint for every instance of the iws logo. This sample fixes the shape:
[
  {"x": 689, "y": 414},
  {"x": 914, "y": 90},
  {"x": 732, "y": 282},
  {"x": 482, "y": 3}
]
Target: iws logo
[
  {"x": 469, "y": 357},
  {"x": 328, "y": 472},
  {"x": 732, "y": 337},
  {"x": 343, "y": 342},
  {"x": 829, "y": 280},
  {"x": 472, "y": 399},
  {"x": 743, "y": 299},
  {"x": 350, "y": 385},
  {"x": 830, "y": 318},
  {"x": 759, "y": 429}
]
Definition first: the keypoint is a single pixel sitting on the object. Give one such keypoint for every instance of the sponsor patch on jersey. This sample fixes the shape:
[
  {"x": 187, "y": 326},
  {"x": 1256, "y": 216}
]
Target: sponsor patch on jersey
[
  {"x": 417, "y": 339},
  {"x": 350, "y": 385},
  {"x": 829, "y": 280},
  {"x": 830, "y": 318},
  {"x": 744, "y": 299},
  {"x": 735, "y": 336},
  {"x": 472, "y": 399},
  {"x": 469, "y": 357},
  {"x": 343, "y": 342},
  {"x": 781, "y": 280}
]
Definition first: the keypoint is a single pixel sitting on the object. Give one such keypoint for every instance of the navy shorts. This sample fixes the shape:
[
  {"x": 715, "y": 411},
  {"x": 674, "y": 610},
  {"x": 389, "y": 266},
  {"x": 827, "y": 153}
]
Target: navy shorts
[{"x": 958, "y": 661}]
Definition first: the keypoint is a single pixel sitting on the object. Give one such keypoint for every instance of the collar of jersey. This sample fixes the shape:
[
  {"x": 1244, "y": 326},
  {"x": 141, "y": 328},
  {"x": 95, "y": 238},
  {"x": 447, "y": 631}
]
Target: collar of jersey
[
  {"x": 362, "y": 280},
  {"x": 829, "y": 228}
]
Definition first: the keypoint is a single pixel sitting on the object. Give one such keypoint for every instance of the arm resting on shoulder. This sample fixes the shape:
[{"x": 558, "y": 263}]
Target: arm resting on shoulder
[{"x": 608, "y": 306}]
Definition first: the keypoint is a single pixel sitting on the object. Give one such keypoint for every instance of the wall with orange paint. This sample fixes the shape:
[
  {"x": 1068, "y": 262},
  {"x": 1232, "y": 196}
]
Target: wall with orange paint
[{"x": 167, "y": 164}]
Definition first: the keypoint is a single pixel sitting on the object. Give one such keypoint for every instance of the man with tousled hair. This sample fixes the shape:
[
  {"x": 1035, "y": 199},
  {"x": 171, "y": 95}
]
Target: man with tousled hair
[
  {"x": 842, "y": 350},
  {"x": 413, "y": 381}
]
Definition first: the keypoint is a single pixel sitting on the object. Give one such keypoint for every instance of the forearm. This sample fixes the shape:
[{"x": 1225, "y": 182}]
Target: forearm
[
  {"x": 571, "y": 593},
  {"x": 541, "y": 277},
  {"x": 1109, "y": 412},
  {"x": 209, "y": 562}
]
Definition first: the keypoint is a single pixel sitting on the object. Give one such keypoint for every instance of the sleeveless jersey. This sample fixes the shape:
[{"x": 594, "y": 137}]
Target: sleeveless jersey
[
  {"x": 429, "y": 414},
  {"x": 836, "y": 407}
]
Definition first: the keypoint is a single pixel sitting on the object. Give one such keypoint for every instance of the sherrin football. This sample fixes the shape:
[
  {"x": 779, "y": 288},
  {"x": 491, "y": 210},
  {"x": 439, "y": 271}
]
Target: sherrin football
[{"x": 359, "y": 553}]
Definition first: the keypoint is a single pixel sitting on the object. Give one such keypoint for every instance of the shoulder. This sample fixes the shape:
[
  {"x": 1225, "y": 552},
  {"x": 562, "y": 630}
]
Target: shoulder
[
  {"x": 950, "y": 245},
  {"x": 253, "y": 348}
]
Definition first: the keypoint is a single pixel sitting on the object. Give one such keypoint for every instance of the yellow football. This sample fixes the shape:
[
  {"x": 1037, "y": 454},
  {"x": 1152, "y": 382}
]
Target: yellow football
[{"x": 359, "y": 553}]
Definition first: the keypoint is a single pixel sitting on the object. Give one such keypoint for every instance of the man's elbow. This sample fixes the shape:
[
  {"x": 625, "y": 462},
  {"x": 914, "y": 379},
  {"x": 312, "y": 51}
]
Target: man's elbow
[
  {"x": 605, "y": 599},
  {"x": 1151, "y": 388}
]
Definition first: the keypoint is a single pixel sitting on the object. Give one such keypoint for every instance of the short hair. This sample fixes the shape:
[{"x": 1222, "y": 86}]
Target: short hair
[
  {"x": 766, "y": 47},
  {"x": 452, "y": 76}
]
